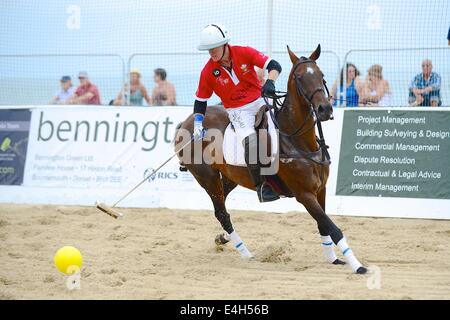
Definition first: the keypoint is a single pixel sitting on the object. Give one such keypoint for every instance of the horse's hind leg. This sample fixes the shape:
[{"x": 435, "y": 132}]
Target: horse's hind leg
[
  {"x": 327, "y": 227},
  {"x": 211, "y": 181},
  {"x": 327, "y": 242},
  {"x": 228, "y": 186}
]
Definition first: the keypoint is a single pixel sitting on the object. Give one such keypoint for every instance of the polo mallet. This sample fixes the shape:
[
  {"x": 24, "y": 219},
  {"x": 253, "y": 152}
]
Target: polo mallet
[{"x": 117, "y": 215}]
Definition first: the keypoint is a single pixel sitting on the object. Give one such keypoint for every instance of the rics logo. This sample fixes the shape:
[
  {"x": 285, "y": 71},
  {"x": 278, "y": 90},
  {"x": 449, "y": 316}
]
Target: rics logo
[
  {"x": 164, "y": 175},
  {"x": 148, "y": 173}
]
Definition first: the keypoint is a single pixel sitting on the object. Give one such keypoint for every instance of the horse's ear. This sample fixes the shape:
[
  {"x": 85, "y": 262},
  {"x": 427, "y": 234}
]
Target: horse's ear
[
  {"x": 292, "y": 55},
  {"x": 316, "y": 54}
]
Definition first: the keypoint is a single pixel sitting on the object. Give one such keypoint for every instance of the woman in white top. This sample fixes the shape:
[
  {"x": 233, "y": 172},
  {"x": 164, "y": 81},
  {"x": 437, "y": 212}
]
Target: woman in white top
[{"x": 376, "y": 91}]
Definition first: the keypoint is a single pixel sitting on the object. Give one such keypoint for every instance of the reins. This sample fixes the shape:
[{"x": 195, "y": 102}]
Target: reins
[{"x": 277, "y": 106}]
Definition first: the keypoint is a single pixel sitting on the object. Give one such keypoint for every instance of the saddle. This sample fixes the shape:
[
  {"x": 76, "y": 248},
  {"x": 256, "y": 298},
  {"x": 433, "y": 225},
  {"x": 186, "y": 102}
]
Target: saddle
[{"x": 261, "y": 118}]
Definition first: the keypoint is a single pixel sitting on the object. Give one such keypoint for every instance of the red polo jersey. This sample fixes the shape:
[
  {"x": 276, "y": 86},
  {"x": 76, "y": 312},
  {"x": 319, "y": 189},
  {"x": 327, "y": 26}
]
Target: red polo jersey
[{"x": 235, "y": 88}]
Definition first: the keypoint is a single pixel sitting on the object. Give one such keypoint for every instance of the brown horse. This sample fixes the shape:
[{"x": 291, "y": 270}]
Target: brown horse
[{"x": 303, "y": 169}]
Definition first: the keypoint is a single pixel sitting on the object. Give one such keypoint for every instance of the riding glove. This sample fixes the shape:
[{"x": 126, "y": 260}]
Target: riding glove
[
  {"x": 199, "y": 131},
  {"x": 268, "y": 88}
]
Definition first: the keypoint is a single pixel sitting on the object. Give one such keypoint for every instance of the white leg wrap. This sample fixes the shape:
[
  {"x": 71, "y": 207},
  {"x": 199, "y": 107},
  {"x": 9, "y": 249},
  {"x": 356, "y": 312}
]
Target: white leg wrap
[
  {"x": 328, "y": 249},
  {"x": 348, "y": 254},
  {"x": 239, "y": 245}
]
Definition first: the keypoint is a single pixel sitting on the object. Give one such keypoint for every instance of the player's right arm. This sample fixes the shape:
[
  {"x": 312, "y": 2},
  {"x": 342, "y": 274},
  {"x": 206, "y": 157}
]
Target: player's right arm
[{"x": 204, "y": 92}]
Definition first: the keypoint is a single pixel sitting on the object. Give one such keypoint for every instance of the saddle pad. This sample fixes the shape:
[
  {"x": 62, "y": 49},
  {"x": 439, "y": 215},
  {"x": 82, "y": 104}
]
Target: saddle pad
[{"x": 233, "y": 150}]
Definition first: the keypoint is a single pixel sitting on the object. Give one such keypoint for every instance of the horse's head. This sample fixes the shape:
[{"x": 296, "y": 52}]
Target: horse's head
[{"x": 306, "y": 79}]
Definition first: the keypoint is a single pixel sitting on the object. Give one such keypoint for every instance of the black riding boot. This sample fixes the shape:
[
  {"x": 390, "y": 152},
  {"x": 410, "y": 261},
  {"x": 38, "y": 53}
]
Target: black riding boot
[{"x": 263, "y": 189}]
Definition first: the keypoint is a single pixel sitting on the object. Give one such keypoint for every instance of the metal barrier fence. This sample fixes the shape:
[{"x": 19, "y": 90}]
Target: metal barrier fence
[
  {"x": 34, "y": 79},
  {"x": 183, "y": 69},
  {"x": 400, "y": 66}
]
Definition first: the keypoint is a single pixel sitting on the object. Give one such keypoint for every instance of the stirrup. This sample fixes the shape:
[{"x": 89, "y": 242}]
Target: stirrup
[{"x": 266, "y": 193}]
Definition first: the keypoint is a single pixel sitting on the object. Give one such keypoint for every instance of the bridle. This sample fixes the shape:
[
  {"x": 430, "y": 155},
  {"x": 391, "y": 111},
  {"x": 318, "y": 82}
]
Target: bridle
[
  {"x": 277, "y": 106},
  {"x": 299, "y": 86}
]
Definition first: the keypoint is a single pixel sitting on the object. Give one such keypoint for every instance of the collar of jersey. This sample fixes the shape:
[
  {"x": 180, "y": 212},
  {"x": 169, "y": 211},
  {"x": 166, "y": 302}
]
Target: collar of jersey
[{"x": 231, "y": 56}]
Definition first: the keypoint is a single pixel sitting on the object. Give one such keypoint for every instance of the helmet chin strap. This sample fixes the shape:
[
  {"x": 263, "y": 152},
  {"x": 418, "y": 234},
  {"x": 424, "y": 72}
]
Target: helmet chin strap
[{"x": 224, "y": 50}]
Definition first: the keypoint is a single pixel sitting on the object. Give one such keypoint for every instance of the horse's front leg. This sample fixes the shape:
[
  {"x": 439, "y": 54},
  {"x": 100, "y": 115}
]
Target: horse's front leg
[
  {"x": 326, "y": 241},
  {"x": 328, "y": 228}
]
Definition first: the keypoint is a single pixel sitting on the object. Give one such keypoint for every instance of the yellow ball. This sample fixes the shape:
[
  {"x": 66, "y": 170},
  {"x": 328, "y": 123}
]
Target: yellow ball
[{"x": 68, "y": 260}]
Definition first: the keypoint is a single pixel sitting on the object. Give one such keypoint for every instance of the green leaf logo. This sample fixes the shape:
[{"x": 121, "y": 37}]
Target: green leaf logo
[{"x": 5, "y": 144}]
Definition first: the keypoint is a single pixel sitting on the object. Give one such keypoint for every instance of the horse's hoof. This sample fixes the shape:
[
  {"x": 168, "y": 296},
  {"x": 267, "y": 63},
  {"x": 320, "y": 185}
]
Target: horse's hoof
[
  {"x": 361, "y": 270},
  {"x": 249, "y": 257},
  {"x": 338, "y": 262},
  {"x": 221, "y": 240}
]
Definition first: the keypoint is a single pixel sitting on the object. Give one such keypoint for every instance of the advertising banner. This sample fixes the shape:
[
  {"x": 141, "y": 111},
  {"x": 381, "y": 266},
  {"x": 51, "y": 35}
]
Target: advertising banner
[
  {"x": 109, "y": 148},
  {"x": 395, "y": 153},
  {"x": 14, "y": 130},
  {"x": 385, "y": 162}
]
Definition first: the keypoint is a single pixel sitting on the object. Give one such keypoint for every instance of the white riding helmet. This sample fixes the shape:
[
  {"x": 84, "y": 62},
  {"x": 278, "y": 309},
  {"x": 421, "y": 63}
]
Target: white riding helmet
[{"x": 213, "y": 36}]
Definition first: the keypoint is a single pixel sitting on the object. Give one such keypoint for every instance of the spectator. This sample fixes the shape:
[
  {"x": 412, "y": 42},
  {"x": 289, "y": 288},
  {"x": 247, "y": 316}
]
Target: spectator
[
  {"x": 415, "y": 101},
  {"x": 425, "y": 87},
  {"x": 353, "y": 87},
  {"x": 448, "y": 36},
  {"x": 66, "y": 91},
  {"x": 376, "y": 91},
  {"x": 164, "y": 92},
  {"x": 138, "y": 92},
  {"x": 86, "y": 93}
]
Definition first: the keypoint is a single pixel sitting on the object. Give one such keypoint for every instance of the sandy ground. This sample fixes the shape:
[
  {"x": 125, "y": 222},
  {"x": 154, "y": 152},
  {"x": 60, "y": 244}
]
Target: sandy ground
[{"x": 170, "y": 254}]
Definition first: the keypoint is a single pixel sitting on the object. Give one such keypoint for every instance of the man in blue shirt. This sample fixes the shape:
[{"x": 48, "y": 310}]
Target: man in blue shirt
[
  {"x": 425, "y": 88},
  {"x": 66, "y": 92}
]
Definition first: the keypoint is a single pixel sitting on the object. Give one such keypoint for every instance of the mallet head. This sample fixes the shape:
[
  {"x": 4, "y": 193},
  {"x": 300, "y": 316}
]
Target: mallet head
[{"x": 108, "y": 210}]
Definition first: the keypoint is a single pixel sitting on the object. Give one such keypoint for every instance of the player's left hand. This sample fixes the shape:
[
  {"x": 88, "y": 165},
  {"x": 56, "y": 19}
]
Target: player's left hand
[{"x": 268, "y": 89}]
